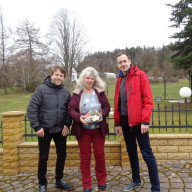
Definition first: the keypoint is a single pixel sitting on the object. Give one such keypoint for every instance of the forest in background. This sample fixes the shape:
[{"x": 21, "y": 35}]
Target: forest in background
[{"x": 26, "y": 56}]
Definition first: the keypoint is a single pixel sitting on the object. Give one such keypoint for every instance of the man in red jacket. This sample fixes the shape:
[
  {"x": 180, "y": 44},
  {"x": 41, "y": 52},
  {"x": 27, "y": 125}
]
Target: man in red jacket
[{"x": 133, "y": 106}]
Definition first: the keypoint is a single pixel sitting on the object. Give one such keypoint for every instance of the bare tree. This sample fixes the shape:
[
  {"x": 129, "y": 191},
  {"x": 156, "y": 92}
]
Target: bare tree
[
  {"x": 29, "y": 52},
  {"x": 4, "y": 36},
  {"x": 22, "y": 73},
  {"x": 67, "y": 40}
]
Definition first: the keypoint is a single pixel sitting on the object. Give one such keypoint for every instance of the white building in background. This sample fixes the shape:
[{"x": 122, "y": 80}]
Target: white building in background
[
  {"x": 74, "y": 75},
  {"x": 110, "y": 75}
]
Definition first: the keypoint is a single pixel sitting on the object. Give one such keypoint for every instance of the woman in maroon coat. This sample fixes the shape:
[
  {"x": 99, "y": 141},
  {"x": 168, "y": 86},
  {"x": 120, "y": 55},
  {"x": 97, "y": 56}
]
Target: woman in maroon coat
[{"x": 88, "y": 109}]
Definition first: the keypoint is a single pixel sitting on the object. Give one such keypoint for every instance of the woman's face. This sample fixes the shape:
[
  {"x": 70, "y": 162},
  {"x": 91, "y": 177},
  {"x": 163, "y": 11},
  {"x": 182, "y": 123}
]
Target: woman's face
[{"x": 89, "y": 81}]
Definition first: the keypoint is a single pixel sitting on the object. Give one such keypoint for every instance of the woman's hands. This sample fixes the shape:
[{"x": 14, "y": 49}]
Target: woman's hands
[{"x": 82, "y": 119}]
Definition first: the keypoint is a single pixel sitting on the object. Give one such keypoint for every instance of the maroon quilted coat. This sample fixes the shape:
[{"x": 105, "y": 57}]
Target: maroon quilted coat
[{"x": 74, "y": 112}]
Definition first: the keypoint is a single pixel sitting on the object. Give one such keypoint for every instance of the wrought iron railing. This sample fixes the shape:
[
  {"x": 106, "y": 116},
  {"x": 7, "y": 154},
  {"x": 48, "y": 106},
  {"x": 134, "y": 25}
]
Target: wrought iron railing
[
  {"x": 176, "y": 119},
  {"x": 1, "y": 134},
  {"x": 30, "y": 133}
]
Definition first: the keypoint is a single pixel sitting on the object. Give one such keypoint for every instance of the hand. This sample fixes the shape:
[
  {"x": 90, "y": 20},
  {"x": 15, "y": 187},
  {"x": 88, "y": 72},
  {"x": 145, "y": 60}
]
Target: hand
[
  {"x": 144, "y": 128},
  {"x": 118, "y": 130},
  {"x": 65, "y": 130},
  {"x": 82, "y": 119},
  {"x": 40, "y": 133}
]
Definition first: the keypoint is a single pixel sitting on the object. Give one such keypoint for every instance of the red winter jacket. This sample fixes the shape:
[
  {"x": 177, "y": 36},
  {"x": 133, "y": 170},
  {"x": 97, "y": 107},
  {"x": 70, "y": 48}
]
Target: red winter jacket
[
  {"x": 139, "y": 98},
  {"x": 74, "y": 112}
]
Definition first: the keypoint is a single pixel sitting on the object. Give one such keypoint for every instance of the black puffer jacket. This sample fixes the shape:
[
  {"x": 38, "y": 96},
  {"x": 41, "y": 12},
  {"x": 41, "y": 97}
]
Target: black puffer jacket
[{"x": 48, "y": 107}]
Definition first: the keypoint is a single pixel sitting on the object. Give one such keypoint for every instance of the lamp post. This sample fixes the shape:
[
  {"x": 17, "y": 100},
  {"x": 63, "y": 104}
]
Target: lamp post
[
  {"x": 185, "y": 92},
  {"x": 158, "y": 99}
]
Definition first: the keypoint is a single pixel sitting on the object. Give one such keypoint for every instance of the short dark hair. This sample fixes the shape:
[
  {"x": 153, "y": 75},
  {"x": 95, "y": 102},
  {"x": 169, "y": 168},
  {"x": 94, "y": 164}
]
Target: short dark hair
[
  {"x": 60, "y": 68},
  {"x": 123, "y": 53}
]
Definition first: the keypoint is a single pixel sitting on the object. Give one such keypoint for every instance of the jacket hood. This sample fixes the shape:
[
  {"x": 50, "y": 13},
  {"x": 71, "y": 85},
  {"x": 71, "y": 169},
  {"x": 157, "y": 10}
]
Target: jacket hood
[
  {"x": 133, "y": 70},
  {"x": 47, "y": 82}
]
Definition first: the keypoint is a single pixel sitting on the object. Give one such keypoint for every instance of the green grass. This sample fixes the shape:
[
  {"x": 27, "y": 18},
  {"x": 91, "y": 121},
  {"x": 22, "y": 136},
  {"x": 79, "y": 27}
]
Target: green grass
[
  {"x": 14, "y": 102},
  {"x": 18, "y": 101},
  {"x": 172, "y": 89}
]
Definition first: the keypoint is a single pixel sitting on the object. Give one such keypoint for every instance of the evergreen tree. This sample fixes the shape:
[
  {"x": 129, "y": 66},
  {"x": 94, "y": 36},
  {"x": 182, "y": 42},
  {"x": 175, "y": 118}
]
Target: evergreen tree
[{"x": 181, "y": 17}]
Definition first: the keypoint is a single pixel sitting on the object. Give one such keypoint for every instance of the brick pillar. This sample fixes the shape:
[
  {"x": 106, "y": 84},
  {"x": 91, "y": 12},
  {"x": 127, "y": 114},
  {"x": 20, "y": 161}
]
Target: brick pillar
[{"x": 13, "y": 128}]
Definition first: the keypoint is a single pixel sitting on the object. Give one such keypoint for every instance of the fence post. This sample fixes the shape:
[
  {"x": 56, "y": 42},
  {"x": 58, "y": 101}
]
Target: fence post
[{"x": 13, "y": 129}]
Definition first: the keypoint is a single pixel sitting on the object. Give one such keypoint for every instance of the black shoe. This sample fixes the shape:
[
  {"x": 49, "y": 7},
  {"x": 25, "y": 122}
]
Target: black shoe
[
  {"x": 102, "y": 187},
  {"x": 42, "y": 188},
  {"x": 87, "y": 189},
  {"x": 62, "y": 184}
]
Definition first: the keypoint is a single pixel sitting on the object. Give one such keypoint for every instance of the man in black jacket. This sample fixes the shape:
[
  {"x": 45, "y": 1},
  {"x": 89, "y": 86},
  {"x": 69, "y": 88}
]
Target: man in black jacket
[{"x": 47, "y": 112}]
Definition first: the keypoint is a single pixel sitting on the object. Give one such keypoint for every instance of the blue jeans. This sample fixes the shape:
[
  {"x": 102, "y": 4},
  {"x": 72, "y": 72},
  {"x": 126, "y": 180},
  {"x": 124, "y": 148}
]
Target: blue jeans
[
  {"x": 44, "y": 145},
  {"x": 130, "y": 137}
]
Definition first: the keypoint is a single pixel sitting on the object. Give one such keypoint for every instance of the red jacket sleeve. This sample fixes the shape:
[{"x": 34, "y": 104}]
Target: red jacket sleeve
[{"x": 147, "y": 98}]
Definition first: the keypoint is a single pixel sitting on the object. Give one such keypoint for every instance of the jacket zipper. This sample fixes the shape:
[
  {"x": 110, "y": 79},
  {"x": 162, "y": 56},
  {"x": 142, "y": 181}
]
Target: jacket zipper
[
  {"x": 80, "y": 102},
  {"x": 129, "y": 104}
]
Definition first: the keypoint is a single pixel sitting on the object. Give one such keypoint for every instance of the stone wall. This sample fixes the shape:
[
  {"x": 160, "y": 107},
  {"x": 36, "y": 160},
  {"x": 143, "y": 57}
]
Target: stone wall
[
  {"x": 13, "y": 130},
  {"x": 18, "y": 156},
  {"x": 166, "y": 147},
  {"x": 28, "y": 155}
]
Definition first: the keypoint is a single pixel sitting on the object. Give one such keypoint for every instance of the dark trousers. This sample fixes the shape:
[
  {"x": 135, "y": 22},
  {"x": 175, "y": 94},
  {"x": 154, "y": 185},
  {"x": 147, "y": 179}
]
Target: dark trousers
[
  {"x": 144, "y": 144},
  {"x": 44, "y": 145},
  {"x": 92, "y": 136}
]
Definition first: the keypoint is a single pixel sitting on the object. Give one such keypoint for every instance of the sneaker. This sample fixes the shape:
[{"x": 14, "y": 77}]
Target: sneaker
[
  {"x": 87, "y": 189},
  {"x": 131, "y": 186},
  {"x": 42, "y": 188},
  {"x": 62, "y": 184}
]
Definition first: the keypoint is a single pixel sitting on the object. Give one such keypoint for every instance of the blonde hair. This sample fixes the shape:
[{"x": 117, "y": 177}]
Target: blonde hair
[{"x": 99, "y": 83}]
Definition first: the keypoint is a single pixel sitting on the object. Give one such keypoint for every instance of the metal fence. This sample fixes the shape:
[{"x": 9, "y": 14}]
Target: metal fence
[
  {"x": 1, "y": 134},
  {"x": 175, "y": 118},
  {"x": 30, "y": 133},
  {"x": 171, "y": 118}
]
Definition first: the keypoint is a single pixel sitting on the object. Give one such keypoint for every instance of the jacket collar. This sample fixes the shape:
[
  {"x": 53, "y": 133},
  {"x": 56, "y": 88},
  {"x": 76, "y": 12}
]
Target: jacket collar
[
  {"x": 130, "y": 71},
  {"x": 121, "y": 74},
  {"x": 48, "y": 82},
  {"x": 78, "y": 90}
]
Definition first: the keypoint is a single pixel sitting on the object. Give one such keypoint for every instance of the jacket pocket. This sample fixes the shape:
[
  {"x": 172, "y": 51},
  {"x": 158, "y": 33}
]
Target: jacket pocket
[{"x": 131, "y": 88}]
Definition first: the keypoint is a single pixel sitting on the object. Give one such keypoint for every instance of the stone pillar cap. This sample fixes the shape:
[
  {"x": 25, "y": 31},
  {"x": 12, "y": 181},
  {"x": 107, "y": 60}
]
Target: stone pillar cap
[{"x": 12, "y": 113}]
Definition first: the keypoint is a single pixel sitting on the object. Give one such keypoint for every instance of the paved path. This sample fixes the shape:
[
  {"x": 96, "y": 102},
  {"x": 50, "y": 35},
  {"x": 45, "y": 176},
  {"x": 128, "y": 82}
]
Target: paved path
[{"x": 174, "y": 177}]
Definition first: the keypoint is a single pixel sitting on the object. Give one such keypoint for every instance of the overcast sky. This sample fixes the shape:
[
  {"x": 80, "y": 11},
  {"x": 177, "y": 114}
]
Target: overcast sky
[{"x": 110, "y": 24}]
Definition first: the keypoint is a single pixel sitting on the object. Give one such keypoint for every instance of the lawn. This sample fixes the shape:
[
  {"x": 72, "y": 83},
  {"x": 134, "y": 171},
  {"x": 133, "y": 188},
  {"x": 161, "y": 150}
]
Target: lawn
[
  {"x": 172, "y": 89},
  {"x": 18, "y": 101}
]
